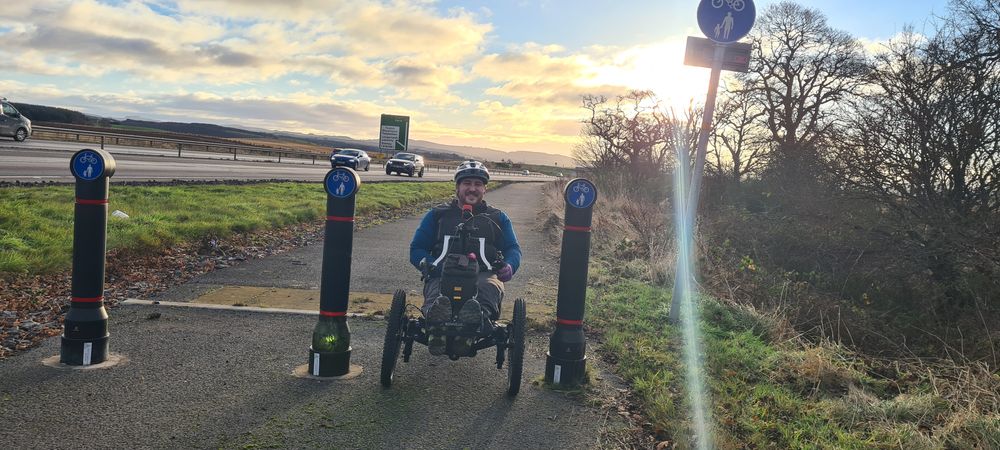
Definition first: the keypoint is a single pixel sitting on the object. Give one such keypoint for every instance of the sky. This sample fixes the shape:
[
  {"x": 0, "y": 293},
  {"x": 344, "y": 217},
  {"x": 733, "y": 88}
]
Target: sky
[{"x": 501, "y": 74}]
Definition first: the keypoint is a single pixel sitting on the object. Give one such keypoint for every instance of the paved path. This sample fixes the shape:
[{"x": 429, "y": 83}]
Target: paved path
[
  {"x": 381, "y": 257},
  {"x": 199, "y": 378}
]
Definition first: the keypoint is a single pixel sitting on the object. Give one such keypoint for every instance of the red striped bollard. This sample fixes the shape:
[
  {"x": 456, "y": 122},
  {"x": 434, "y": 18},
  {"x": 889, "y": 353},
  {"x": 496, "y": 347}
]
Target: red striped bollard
[
  {"x": 85, "y": 327},
  {"x": 330, "y": 353},
  {"x": 566, "y": 361}
]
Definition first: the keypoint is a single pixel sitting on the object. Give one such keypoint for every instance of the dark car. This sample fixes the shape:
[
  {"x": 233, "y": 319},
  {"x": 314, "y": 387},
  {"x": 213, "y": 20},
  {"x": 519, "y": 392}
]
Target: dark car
[
  {"x": 407, "y": 163},
  {"x": 351, "y": 157}
]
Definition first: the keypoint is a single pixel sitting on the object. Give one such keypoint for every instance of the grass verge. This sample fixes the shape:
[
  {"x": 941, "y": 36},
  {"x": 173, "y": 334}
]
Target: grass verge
[
  {"x": 36, "y": 224},
  {"x": 768, "y": 391},
  {"x": 768, "y": 386}
]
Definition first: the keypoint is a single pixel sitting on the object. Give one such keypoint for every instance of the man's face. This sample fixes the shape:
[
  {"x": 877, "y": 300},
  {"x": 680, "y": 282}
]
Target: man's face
[{"x": 470, "y": 191}]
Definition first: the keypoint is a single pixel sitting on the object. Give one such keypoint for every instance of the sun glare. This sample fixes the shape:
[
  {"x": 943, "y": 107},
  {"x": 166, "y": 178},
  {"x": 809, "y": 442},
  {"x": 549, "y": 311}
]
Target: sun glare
[{"x": 659, "y": 68}]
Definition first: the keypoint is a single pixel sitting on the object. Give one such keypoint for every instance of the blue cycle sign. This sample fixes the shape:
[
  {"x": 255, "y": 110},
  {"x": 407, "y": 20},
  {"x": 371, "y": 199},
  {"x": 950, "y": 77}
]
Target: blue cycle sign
[
  {"x": 341, "y": 182},
  {"x": 726, "y": 21},
  {"x": 87, "y": 165},
  {"x": 581, "y": 193}
]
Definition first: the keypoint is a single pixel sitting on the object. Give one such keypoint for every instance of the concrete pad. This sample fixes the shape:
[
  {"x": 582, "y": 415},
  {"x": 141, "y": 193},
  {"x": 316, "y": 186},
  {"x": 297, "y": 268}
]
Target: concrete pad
[{"x": 540, "y": 314}]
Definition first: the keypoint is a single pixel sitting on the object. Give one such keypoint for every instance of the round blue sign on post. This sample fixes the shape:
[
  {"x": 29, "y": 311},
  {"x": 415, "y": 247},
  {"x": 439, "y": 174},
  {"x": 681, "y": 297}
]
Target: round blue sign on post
[
  {"x": 726, "y": 21},
  {"x": 341, "y": 182},
  {"x": 87, "y": 165},
  {"x": 581, "y": 193}
]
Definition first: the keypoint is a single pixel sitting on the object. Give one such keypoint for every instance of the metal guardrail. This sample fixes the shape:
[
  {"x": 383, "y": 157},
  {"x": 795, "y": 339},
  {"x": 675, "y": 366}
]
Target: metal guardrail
[
  {"x": 103, "y": 137},
  {"x": 109, "y": 138}
]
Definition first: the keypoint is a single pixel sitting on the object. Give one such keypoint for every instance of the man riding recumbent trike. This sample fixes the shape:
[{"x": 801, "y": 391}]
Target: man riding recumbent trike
[{"x": 465, "y": 251}]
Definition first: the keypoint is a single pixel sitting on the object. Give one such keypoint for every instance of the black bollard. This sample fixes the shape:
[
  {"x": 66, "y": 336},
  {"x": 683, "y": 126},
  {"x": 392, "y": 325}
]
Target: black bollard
[
  {"x": 85, "y": 328},
  {"x": 566, "y": 361},
  {"x": 330, "y": 353}
]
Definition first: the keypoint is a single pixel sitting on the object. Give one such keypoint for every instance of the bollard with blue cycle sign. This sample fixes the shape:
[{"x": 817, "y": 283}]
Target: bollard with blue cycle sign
[
  {"x": 566, "y": 361},
  {"x": 85, "y": 327},
  {"x": 330, "y": 353}
]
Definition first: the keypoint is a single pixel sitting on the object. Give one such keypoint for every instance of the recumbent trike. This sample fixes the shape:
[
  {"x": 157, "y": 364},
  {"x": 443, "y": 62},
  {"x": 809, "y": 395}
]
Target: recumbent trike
[{"x": 460, "y": 272}]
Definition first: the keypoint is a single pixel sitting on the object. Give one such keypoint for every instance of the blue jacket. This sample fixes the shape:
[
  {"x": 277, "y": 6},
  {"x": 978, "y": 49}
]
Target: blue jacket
[{"x": 425, "y": 239}]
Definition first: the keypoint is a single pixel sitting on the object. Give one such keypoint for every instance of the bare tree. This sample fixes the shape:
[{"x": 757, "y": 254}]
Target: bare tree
[
  {"x": 631, "y": 133},
  {"x": 800, "y": 70},
  {"x": 738, "y": 145},
  {"x": 925, "y": 144}
]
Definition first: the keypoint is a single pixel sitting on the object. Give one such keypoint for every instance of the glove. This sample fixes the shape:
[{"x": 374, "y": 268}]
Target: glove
[{"x": 505, "y": 273}]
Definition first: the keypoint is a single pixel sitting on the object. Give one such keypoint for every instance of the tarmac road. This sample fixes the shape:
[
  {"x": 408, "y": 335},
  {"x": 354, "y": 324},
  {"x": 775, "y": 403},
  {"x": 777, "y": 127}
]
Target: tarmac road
[
  {"x": 206, "y": 378},
  {"x": 37, "y": 161}
]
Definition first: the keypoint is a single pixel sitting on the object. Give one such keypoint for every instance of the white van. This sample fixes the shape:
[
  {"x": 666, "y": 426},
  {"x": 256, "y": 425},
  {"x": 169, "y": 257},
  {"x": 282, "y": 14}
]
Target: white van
[{"x": 13, "y": 123}]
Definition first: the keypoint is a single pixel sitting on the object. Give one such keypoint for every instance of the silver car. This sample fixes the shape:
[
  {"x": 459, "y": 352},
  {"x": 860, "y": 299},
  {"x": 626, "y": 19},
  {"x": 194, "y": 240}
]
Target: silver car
[
  {"x": 13, "y": 123},
  {"x": 351, "y": 157}
]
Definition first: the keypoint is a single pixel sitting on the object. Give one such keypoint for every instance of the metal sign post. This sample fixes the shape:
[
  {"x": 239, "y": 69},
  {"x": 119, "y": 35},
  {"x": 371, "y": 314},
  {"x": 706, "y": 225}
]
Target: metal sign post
[
  {"x": 85, "y": 328},
  {"x": 330, "y": 353},
  {"x": 394, "y": 133},
  {"x": 566, "y": 361},
  {"x": 725, "y": 22}
]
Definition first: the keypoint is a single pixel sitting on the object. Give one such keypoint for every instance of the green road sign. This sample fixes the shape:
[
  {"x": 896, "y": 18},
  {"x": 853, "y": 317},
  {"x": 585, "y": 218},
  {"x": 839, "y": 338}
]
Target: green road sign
[{"x": 394, "y": 133}]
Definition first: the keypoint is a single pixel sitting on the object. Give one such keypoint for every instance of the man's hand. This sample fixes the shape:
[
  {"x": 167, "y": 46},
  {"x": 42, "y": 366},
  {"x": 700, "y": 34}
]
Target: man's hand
[{"x": 505, "y": 273}]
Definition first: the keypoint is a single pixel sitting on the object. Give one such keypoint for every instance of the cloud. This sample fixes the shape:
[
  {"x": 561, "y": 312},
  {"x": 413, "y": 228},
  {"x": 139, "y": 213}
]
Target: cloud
[
  {"x": 310, "y": 65},
  {"x": 406, "y": 49}
]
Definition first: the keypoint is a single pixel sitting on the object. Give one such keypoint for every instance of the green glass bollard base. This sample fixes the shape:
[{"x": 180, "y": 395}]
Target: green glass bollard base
[{"x": 330, "y": 353}]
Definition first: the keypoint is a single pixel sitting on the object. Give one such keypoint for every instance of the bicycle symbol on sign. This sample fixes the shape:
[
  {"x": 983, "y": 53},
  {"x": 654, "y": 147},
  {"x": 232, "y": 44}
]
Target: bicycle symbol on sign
[
  {"x": 88, "y": 158},
  {"x": 581, "y": 187},
  {"x": 341, "y": 176},
  {"x": 737, "y": 5}
]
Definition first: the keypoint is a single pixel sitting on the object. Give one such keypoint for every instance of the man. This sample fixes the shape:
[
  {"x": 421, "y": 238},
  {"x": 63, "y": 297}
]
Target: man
[{"x": 497, "y": 233}]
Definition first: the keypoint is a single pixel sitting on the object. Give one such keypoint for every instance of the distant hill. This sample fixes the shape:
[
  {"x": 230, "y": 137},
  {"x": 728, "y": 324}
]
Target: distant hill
[
  {"x": 428, "y": 149},
  {"x": 40, "y": 113},
  {"x": 203, "y": 129}
]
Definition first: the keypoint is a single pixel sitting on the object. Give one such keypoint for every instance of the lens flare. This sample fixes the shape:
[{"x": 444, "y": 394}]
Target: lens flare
[{"x": 684, "y": 220}]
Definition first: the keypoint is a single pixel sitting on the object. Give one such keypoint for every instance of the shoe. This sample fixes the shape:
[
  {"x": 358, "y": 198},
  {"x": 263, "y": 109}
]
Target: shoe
[
  {"x": 471, "y": 313},
  {"x": 472, "y": 316},
  {"x": 440, "y": 311}
]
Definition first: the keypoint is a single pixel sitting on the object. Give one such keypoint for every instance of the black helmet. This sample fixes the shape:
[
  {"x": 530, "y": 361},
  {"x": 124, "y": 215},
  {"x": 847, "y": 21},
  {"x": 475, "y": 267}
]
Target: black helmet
[{"x": 474, "y": 169}]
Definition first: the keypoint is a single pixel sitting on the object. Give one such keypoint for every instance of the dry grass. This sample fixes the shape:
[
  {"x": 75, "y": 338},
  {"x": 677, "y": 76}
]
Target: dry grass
[
  {"x": 283, "y": 144},
  {"x": 818, "y": 385}
]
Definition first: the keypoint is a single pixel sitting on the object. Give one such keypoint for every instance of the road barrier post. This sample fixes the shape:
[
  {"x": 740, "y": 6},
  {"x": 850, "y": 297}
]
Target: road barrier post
[
  {"x": 566, "y": 361},
  {"x": 330, "y": 353},
  {"x": 85, "y": 328}
]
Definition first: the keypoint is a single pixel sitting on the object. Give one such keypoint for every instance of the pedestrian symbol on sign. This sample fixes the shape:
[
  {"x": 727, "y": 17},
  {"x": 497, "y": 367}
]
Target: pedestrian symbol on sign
[{"x": 726, "y": 21}]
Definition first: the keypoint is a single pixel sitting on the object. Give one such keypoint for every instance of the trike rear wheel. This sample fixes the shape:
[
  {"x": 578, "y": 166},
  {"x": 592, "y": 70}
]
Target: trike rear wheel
[
  {"x": 515, "y": 347},
  {"x": 393, "y": 336}
]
